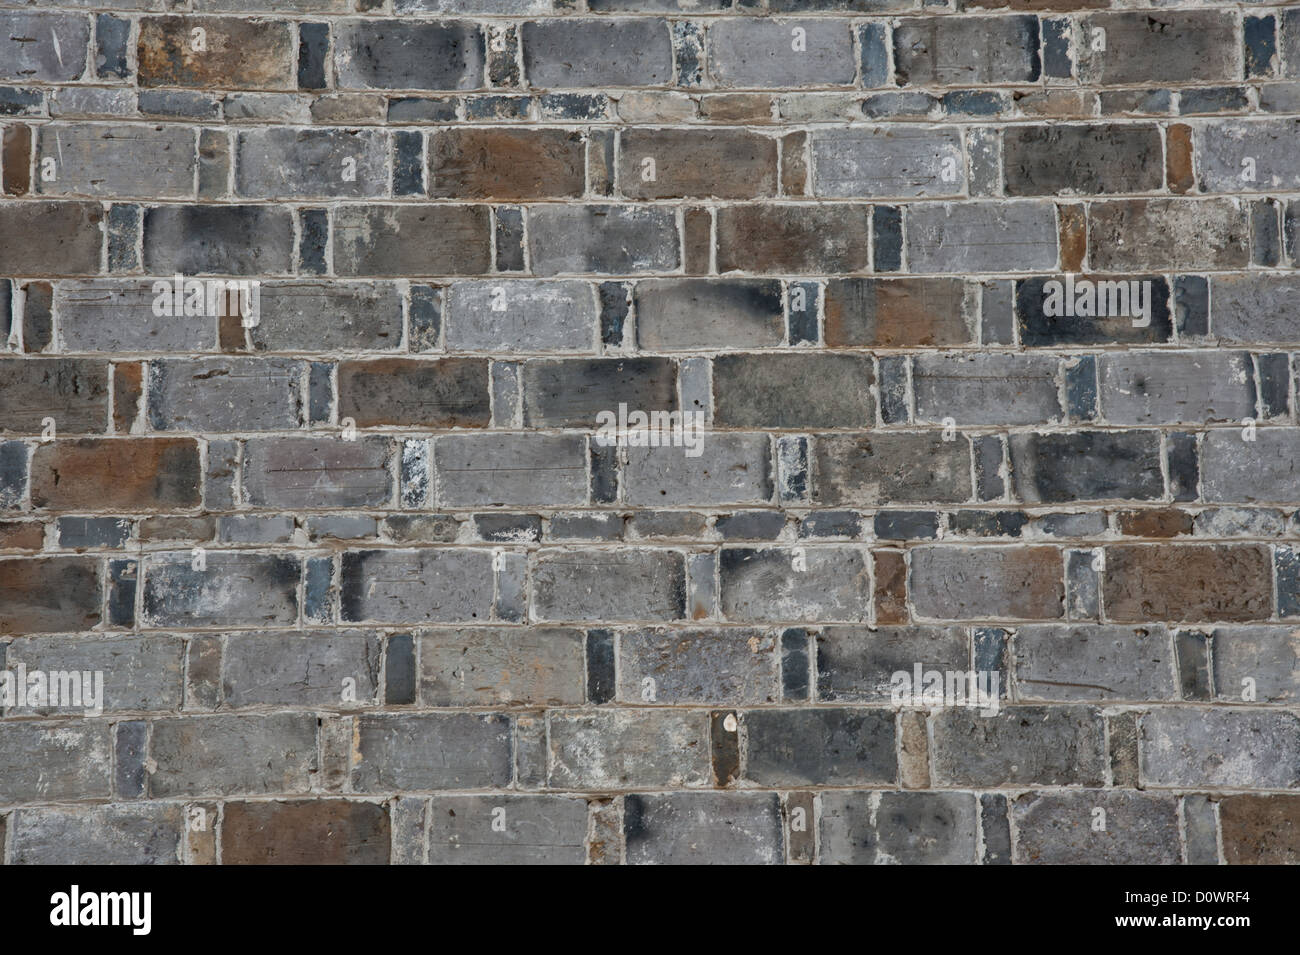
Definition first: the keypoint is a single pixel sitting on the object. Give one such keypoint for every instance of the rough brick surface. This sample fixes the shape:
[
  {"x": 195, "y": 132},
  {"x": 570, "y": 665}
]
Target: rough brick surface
[{"x": 650, "y": 431}]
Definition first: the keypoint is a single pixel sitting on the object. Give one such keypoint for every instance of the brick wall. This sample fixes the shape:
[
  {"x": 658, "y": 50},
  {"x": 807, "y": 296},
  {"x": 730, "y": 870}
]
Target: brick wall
[{"x": 362, "y": 581}]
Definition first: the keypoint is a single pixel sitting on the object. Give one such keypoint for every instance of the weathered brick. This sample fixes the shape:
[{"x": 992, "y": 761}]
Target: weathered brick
[
  {"x": 704, "y": 314},
  {"x": 1189, "y": 582},
  {"x": 319, "y": 832},
  {"x": 713, "y": 828},
  {"x": 628, "y": 749},
  {"x": 521, "y": 469},
  {"x": 125, "y": 473},
  {"x": 1086, "y": 465},
  {"x": 986, "y": 389},
  {"x": 571, "y": 54},
  {"x": 417, "y": 586},
  {"x": 43, "y": 47},
  {"x": 987, "y": 582},
  {"x": 72, "y": 391},
  {"x": 613, "y": 240},
  {"x": 861, "y": 828},
  {"x": 409, "y": 240},
  {"x": 882, "y": 468},
  {"x": 981, "y": 237},
  {"x": 1126, "y": 234},
  {"x": 1061, "y": 828},
  {"x": 894, "y": 313},
  {"x": 113, "y": 161},
  {"x": 223, "y": 240},
  {"x": 509, "y": 164},
  {"x": 800, "y": 390},
  {"x": 442, "y": 393},
  {"x": 236, "y": 53},
  {"x": 1260, "y": 829},
  {"x": 803, "y": 239},
  {"x": 1165, "y": 47},
  {"x": 1020, "y": 746},
  {"x": 1174, "y": 387},
  {"x": 1184, "y": 747},
  {"x": 108, "y": 835},
  {"x": 609, "y": 585},
  {"x": 822, "y": 746},
  {"x": 825, "y": 583},
  {"x": 881, "y": 161},
  {"x": 49, "y": 237},
  {"x": 754, "y": 52},
  {"x": 507, "y": 829},
  {"x": 221, "y": 755},
  {"x": 396, "y": 54},
  {"x": 1084, "y": 663},
  {"x": 1079, "y": 160}
]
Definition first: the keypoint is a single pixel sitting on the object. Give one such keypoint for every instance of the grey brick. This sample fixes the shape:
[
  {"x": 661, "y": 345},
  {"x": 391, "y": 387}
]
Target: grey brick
[
  {"x": 860, "y": 828},
  {"x": 987, "y": 582},
  {"x": 222, "y": 240},
  {"x": 118, "y": 160},
  {"x": 1020, "y": 746},
  {"x": 823, "y": 583},
  {"x": 74, "y": 761},
  {"x": 1269, "y": 657},
  {"x": 609, "y": 585},
  {"x": 234, "y": 589},
  {"x": 752, "y": 52},
  {"x": 986, "y": 389},
  {"x": 1174, "y": 387},
  {"x": 730, "y": 469},
  {"x": 708, "y": 314},
  {"x": 521, "y": 316},
  {"x": 884, "y": 468},
  {"x": 507, "y": 830},
  {"x": 709, "y": 828},
  {"x": 981, "y": 237},
  {"x": 856, "y": 665},
  {"x": 965, "y": 51},
  {"x": 1193, "y": 748},
  {"x": 1083, "y": 663},
  {"x": 1086, "y": 465},
  {"x": 800, "y": 390},
  {"x": 278, "y": 163},
  {"x": 395, "y": 54},
  {"x": 317, "y": 472},
  {"x": 501, "y": 667},
  {"x": 43, "y": 47},
  {"x": 887, "y": 161},
  {"x": 109, "y": 835},
  {"x": 139, "y": 672},
  {"x": 519, "y": 469},
  {"x": 417, "y": 586},
  {"x": 560, "y": 54},
  {"x": 571, "y": 393},
  {"x": 607, "y": 239},
  {"x": 304, "y": 669},
  {"x": 628, "y": 749},
  {"x": 1171, "y": 47},
  {"x": 115, "y": 315},
  {"x": 222, "y": 755},
  {"x": 720, "y": 666},
  {"x": 821, "y": 746},
  {"x": 1061, "y": 829},
  {"x": 225, "y": 394},
  {"x": 431, "y": 751}
]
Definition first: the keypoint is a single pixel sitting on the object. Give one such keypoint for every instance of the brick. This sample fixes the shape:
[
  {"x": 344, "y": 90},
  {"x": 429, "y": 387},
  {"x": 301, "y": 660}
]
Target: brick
[
  {"x": 444, "y": 393},
  {"x": 883, "y": 468},
  {"x": 724, "y": 666},
  {"x": 860, "y": 828},
  {"x": 823, "y": 746},
  {"x": 395, "y": 54},
  {"x": 233, "y": 589},
  {"x": 825, "y": 583},
  {"x": 435, "y": 585},
  {"x": 411, "y": 240},
  {"x": 594, "y": 584},
  {"x": 693, "y": 314},
  {"x": 224, "y": 240},
  {"x": 1086, "y": 465},
  {"x": 1171, "y": 47},
  {"x": 1088, "y": 663},
  {"x": 1192, "y": 583},
  {"x": 606, "y": 239},
  {"x": 311, "y": 472},
  {"x": 501, "y": 667},
  {"x": 628, "y": 749},
  {"x": 1259, "y": 829},
  {"x": 521, "y": 469},
  {"x": 1266, "y": 656},
  {"x": 511, "y": 164},
  {"x": 304, "y": 669},
  {"x": 1059, "y": 828},
  {"x": 753, "y": 52},
  {"x": 573, "y": 54},
  {"x": 112, "y": 161},
  {"x": 1191, "y": 748},
  {"x": 225, "y": 394},
  {"x": 803, "y": 239},
  {"x": 1253, "y": 471},
  {"x": 278, "y": 163},
  {"x": 720, "y": 163},
  {"x": 793, "y": 391},
  {"x": 522, "y": 315},
  {"x": 713, "y": 828},
  {"x": 319, "y": 832},
  {"x": 510, "y": 829},
  {"x": 72, "y": 391},
  {"x": 966, "y": 51},
  {"x": 128, "y": 474},
  {"x": 856, "y": 665},
  {"x": 730, "y": 469},
  {"x": 987, "y": 582},
  {"x": 1020, "y": 746},
  {"x": 424, "y": 751},
  {"x": 221, "y": 755},
  {"x": 1126, "y": 234},
  {"x": 109, "y": 835},
  {"x": 897, "y": 313},
  {"x": 887, "y": 161},
  {"x": 49, "y": 595},
  {"x": 49, "y": 237},
  {"x": 1174, "y": 387},
  {"x": 43, "y": 47},
  {"x": 239, "y": 54},
  {"x": 973, "y": 237},
  {"x": 985, "y": 389},
  {"x": 1077, "y": 160},
  {"x": 571, "y": 393}
]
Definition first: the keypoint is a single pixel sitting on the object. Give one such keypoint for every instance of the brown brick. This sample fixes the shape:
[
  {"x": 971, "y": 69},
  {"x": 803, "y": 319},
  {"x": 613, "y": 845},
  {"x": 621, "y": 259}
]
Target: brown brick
[
  {"x": 410, "y": 240},
  {"x": 1200, "y": 582},
  {"x": 21, "y": 535},
  {"x": 1074, "y": 236},
  {"x": 891, "y": 586},
  {"x": 48, "y": 237},
  {"x": 699, "y": 241},
  {"x": 315, "y": 832},
  {"x": 1178, "y": 159},
  {"x": 794, "y": 238},
  {"x": 446, "y": 393},
  {"x": 506, "y": 164},
  {"x": 794, "y": 164},
  {"x": 17, "y": 159},
  {"x": 1261, "y": 830},
  {"x": 1037, "y": 5},
  {"x": 169, "y": 528},
  {"x": 1140, "y": 234},
  {"x": 1164, "y": 522},
  {"x": 720, "y": 163},
  {"x": 72, "y": 391},
  {"x": 49, "y": 595},
  {"x": 896, "y": 313},
  {"x": 913, "y": 751},
  {"x": 241, "y": 53},
  {"x": 125, "y": 473},
  {"x": 127, "y": 391},
  {"x": 748, "y": 108}
]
